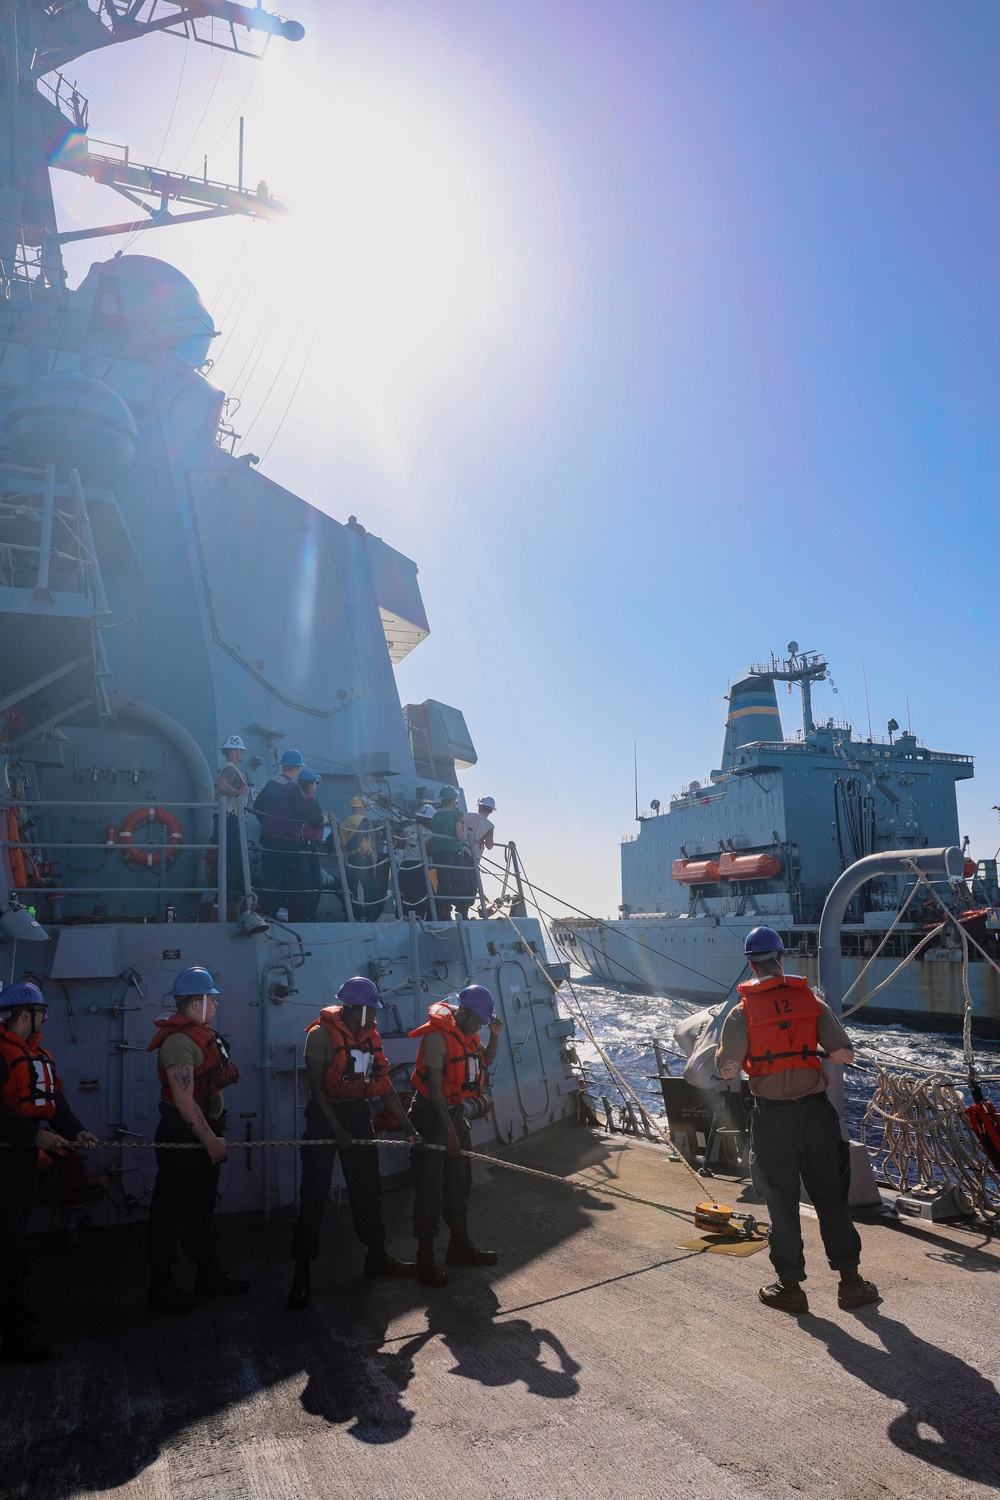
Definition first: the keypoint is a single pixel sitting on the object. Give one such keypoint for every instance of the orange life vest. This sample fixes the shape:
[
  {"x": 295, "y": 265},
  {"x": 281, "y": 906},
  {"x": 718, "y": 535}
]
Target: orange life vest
[
  {"x": 465, "y": 1062},
  {"x": 360, "y": 1069},
  {"x": 217, "y": 1070},
  {"x": 782, "y": 1017},
  {"x": 32, "y": 1084}
]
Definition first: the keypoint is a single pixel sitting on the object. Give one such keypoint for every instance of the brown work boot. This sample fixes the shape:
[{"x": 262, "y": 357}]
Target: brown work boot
[
  {"x": 786, "y": 1296},
  {"x": 378, "y": 1263},
  {"x": 462, "y": 1252},
  {"x": 854, "y": 1291},
  {"x": 428, "y": 1270}
]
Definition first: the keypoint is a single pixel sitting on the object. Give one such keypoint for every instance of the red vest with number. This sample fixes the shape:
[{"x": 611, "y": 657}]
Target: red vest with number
[
  {"x": 217, "y": 1070},
  {"x": 464, "y": 1064},
  {"x": 360, "y": 1069},
  {"x": 32, "y": 1084},
  {"x": 782, "y": 1016}
]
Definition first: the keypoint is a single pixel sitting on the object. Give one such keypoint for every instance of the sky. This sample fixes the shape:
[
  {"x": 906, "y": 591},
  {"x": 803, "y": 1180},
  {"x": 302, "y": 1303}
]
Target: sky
[{"x": 657, "y": 333}]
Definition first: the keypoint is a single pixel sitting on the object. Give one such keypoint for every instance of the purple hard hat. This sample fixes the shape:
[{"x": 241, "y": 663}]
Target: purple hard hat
[
  {"x": 359, "y": 991},
  {"x": 477, "y": 998},
  {"x": 763, "y": 942}
]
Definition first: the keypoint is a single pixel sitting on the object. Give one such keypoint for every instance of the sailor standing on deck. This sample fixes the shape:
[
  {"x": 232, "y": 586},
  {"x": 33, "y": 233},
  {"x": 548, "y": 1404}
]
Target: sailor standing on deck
[
  {"x": 194, "y": 1067},
  {"x": 233, "y": 783},
  {"x": 450, "y": 1084},
  {"x": 281, "y": 841},
  {"x": 346, "y": 1069},
  {"x": 34, "y": 1116},
  {"x": 775, "y": 1033}
]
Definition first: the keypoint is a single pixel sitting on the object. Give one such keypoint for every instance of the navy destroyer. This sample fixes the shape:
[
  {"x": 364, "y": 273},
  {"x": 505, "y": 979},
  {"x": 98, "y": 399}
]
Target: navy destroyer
[
  {"x": 159, "y": 595},
  {"x": 765, "y": 838}
]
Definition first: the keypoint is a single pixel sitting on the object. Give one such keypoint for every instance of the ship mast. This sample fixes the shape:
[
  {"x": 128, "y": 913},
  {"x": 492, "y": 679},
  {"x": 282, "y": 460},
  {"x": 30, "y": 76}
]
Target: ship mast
[
  {"x": 44, "y": 123},
  {"x": 803, "y": 667}
]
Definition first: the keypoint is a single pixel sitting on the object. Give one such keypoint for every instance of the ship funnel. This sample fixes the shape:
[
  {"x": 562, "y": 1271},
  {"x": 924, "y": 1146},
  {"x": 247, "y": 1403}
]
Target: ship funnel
[{"x": 753, "y": 715}]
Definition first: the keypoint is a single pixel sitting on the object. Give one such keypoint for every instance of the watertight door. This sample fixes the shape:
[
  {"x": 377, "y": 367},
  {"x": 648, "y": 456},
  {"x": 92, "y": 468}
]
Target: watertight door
[{"x": 521, "y": 1090}]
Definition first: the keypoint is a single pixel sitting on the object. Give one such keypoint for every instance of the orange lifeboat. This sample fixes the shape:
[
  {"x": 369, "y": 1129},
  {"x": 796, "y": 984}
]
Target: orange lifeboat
[
  {"x": 695, "y": 871},
  {"x": 749, "y": 866}
]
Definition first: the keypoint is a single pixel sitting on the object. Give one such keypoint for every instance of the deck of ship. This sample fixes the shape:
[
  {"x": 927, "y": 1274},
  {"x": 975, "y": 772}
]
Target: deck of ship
[{"x": 598, "y": 1357}]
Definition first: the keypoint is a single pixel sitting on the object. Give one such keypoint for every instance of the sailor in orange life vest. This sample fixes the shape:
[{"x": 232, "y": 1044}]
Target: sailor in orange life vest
[
  {"x": 346, "y": 1069},
  {"x": 194, "y": 1067},
  {"x": 450, "y": 1084},
  {"x": 34, "y": 1116},
  {"x": 775, "y": 1032}
]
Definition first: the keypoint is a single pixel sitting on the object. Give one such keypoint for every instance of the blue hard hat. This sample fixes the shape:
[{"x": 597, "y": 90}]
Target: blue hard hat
[
  {"x": 292, "y": 758},
  {"x": 23, "y": 996},
  {"x": 763, "y": 941},
  {"x": 194, "y": 981},
  {"x": 477, "y": 998},
  {"x": 359, "y": 991},
  {"x": 307, "y": 775}
]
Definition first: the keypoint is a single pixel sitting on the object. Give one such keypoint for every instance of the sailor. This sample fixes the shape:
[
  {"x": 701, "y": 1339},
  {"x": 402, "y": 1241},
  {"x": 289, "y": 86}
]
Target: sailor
[
  {"x": 775, "y": 1032},
  {"x": 359, "y": 861},
  {"x": 479, "y": 830},
  {"x": 449, "y": 1081},
  {"x": 346, "y": 1068},
  {"x": 34, "y": 1116},
  {"x": 233, "y": 784},
  {"x": 194, "y": 1067},
  {"x": 455, "y": 876},
  {"x": 315, "y": 822},
  {"x": 281, "y": 841}
]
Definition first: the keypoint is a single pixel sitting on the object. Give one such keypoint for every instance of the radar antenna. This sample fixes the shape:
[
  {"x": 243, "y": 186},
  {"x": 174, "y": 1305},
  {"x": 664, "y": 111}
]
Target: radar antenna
[{"x": 803, "y": 667}]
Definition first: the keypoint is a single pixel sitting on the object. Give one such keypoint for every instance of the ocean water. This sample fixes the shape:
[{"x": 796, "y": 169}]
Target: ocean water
[{"x": 626, "y": 1023}]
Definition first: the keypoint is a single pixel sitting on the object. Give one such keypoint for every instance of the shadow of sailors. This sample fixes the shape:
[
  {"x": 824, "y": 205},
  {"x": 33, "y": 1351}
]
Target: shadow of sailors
[
  {"x": 352, "y": 1379},
  {"x": 957, "y": 1407},
  {"x": 500, "y": 1352}
]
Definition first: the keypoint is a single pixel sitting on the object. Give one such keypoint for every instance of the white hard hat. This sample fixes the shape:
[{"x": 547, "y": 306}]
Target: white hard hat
[
  {"x": 233, "y": 743},
  {"x": 487, "y": 802},
  {"x": 427, "y": 811}
]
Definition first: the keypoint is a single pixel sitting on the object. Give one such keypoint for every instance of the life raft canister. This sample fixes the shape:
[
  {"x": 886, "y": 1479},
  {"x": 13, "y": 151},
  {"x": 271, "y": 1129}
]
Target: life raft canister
[
  {"x": 465, "y": 1062},
  {"x": 147, "y": 857},
  {"x": 32, "y": 1083},
  {"x": 217, "y": 1070},
  {"x": 360, "y": 1069},
  {"x": 782, "y": 1016}
]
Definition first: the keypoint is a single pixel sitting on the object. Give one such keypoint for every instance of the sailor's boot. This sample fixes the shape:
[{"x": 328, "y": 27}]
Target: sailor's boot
[
  {"x": 379, "y": 1263},
  {"x": 428, "y": 1270},
  {"x": 298, "y": 1296},
  {"x": 854, "y": 1291},
  {"x": 20, "y": 1342},
  {"x": 164, "y": 1293},
  {"x": 213, "y": 1281},
  {"x": 462, "y": 1252},
  {"x": 787, "y": 1296}
]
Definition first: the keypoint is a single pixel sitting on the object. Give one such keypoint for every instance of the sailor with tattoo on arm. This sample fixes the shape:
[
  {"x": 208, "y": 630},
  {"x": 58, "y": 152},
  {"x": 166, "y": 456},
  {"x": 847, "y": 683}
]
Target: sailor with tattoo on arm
[
  {"x": 194, "y": 1067},
  {"x": 450, "y": 1084}
]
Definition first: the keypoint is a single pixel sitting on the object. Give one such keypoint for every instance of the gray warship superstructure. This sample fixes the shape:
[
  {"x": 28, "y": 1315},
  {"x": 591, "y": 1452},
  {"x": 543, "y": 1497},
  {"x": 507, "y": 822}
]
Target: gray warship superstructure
[
  {"x": 158, "y": 594},
  {"x": 764, "y": 839}
]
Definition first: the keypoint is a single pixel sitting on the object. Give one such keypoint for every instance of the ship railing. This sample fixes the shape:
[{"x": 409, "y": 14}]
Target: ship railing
[
  {"x": 39, "y": 852},
  {"x": 66, "y": 97}
]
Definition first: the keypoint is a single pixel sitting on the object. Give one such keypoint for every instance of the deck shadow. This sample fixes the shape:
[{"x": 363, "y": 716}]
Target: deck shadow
[{"x": 940, "y": 1391}]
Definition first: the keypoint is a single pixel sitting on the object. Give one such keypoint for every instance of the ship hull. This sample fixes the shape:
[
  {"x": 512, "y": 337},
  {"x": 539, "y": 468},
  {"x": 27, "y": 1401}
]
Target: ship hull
[{"x": 701, "y": 960}]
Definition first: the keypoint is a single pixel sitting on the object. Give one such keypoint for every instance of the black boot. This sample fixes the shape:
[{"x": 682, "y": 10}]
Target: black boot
[
  {"x": 165, "y": 1295},
  {"x": 428, "y": 1270},
  {"x": 298, "y": 1296},
  {"x": 462, "y": 1252},
  {"x": 213, "y": 1281},
  {"x": 20, "y": 1343},
  {"x": 378, "y": 1263}
]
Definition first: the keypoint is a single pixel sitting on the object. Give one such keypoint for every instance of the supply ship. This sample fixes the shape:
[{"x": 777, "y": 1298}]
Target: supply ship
[
  {"x": 159, "y": 594},
  {"x": 764, "y": 839}
]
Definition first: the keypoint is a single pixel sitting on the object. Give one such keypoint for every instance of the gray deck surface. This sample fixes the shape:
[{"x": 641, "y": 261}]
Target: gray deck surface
[{"x": 598, "y": 1358}]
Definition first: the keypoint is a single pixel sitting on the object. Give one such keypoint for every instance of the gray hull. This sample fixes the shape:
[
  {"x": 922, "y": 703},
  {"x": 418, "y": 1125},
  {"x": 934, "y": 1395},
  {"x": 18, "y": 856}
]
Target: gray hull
[{"x": 700, "y": 960}]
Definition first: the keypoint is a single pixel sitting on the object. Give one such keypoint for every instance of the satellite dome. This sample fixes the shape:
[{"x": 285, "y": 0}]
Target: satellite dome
[
  {"x": 145, "y": 304},
  {"x": 74, "y": 422}
]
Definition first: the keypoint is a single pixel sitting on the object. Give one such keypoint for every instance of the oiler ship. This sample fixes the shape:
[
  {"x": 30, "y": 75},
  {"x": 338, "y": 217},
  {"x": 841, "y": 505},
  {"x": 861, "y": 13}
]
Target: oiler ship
[{"x": 764, "y": 838}]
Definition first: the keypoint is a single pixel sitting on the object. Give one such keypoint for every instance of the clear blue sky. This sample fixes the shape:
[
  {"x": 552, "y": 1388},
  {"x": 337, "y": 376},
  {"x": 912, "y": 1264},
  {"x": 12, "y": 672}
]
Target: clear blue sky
[{"x": 657, "y": 333}]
